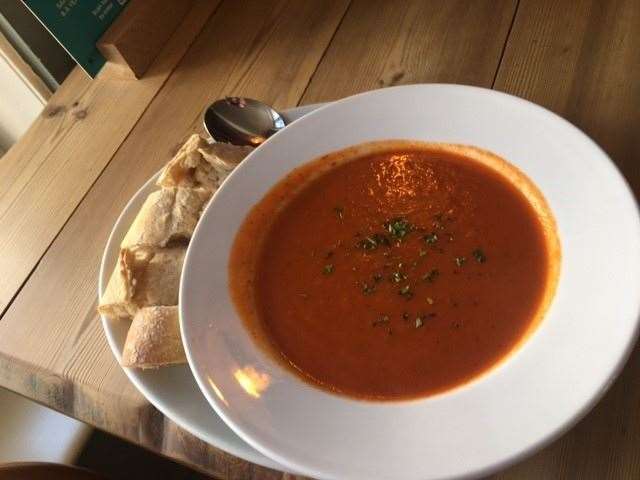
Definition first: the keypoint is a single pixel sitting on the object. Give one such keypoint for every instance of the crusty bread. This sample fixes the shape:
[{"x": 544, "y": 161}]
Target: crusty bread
[
  {"x": 154, "y": 339},
  {"x": 199, "y": 164},
  {"x": 144, "y": 284},
  {"x": 143, "y": 277},
  {"x": 117, "y": 300},
  {"x": 167, "y": 214}
]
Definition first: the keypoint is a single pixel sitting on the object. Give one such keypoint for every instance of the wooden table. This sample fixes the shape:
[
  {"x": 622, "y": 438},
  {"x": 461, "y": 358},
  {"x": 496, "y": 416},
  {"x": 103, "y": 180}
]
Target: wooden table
[{"x": 63, "y": 185}]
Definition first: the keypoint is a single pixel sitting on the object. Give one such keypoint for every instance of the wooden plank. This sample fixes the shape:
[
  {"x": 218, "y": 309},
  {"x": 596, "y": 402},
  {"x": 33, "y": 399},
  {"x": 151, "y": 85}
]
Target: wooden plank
[
  {"x": 25, "y": 157},
  {"x": 51, "y": 345},
  {"x": 580, "y": 59},
  {"x": 45, "y": 175},
  {"x": 382, "y": 43},
  {"x": 140, "y": 33},
  {"x": 271, "y": 51}
]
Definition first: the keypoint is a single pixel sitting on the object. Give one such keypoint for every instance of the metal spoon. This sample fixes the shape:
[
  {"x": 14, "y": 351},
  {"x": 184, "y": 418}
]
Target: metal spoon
[{"x": 242, "y": 121}]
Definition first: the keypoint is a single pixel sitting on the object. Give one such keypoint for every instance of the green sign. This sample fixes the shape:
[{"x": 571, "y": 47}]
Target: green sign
[{"x": 78, "y": 25}]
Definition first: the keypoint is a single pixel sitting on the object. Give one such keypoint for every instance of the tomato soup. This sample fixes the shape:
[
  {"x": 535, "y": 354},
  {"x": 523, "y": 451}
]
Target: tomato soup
[{"x": 395, "y": 270}]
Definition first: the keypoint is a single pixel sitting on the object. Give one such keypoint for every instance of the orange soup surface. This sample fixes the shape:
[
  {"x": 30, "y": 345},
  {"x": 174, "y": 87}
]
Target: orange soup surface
[{"x": 396, "y": 271}]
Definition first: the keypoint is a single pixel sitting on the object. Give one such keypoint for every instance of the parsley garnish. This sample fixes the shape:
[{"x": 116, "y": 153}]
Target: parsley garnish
[
  {"x": 398, "y": 277},
  {"x": 372, "y": 242},
  {"x": 398, "y": 227},
  {"x": 368, "y": 289},
  {"x": 479, "y": 255},
  {"x": 406, "y": 292},
  {"x": 431, "y": 238},
  {"x": 377, "y": 277},
  {"x": 460, "y": 261},
  {"x": 431, "y": 275},
  {"x": 328, "y": 269},
  {"x": 423, "y": 252}
]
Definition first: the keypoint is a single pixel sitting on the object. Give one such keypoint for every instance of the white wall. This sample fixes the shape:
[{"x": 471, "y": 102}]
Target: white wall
[{"x": 19, "y": 104}]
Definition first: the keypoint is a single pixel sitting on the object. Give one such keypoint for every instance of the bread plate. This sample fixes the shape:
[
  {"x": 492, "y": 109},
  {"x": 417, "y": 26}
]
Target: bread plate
[{"x": 173, "y": 390}]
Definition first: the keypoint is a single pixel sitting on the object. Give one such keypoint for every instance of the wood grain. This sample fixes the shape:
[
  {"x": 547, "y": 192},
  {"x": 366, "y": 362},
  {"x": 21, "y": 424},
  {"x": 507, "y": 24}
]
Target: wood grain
[
  {"x": 582, "y": 60},
  {"x": 44, "y": 177},
  {"x": 51, "y": 343},
  {"x": 579, "y": 58},
  {"x": 271, "y": 51},
  {"x": 382, "y": 43},
  {"x": 139, "y": 34}
]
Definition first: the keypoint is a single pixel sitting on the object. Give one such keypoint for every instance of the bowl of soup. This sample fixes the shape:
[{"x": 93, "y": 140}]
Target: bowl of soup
[{"x": 413, "y": 283}]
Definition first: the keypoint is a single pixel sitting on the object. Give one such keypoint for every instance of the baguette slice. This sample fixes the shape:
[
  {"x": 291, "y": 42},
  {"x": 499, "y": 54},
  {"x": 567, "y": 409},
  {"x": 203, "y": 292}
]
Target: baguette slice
[
  {"x": 199, "y": 164},
  {"x": 117, "y": 301},
  {"x": 167, "y": 214},
  {"x": 154, "y": 339},
  {"x": 142, "y": 277}
]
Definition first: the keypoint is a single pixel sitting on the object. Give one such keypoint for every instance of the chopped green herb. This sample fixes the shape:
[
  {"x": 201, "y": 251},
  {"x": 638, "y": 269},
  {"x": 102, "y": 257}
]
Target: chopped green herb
[
  {"x": 431, "y": 238},
  {"x": 460, "y": 261},
  {"x": 431, "y": 275},
  {"x": 419, "y": 322},
  {"x": 423, "y": 252},
  {"x": 380, "y": 320},
  {"x": 368, "y": 289},
  {"x": 430, "y": 300},
  {"x": 328, "y": 269},
  {"x": 398, "y": 277},
  {"x": 479, "y": 255},
  {"x": 372, "y": 242},
  {"x": 406, "y": 292},
  {"x": 339, "y": 212},
  {"x": 369, "y": 243},
  {"x": 377, "y": 277},
  {"x": 398, "y": 227}
]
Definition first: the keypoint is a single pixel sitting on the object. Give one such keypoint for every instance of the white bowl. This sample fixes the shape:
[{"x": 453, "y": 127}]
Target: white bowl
[{"x": 551, "y": 381}]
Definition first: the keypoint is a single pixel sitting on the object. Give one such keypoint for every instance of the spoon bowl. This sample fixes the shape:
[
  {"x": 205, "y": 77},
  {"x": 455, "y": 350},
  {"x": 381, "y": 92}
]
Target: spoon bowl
[{"x": 242, "y": 121}]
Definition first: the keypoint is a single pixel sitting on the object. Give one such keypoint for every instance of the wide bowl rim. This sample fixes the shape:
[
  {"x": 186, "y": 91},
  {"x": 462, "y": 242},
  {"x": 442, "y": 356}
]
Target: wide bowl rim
[{"x": 586, "y": 404}]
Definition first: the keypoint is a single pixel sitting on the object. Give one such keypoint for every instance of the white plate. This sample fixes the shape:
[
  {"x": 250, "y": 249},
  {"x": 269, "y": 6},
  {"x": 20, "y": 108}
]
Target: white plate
[
  {"x": 541, "y": 390},
  {"x": 173, "y": 390}
]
